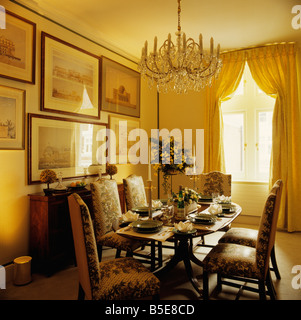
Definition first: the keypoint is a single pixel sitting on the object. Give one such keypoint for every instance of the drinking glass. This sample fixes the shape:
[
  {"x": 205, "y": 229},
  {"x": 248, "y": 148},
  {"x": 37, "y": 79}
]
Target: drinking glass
[{"x": 215, "y": 196}]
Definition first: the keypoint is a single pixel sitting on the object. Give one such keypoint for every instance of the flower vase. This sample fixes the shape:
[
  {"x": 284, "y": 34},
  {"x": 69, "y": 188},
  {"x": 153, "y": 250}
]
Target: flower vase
[{"x": 181, "y": 213}]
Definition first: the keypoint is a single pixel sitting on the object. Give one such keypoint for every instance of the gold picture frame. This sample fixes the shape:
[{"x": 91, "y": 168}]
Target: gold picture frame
[
  {"x": 12, "y": 118},
  {"x": 69, "y": 79},
  {"x": 18, "y": 49},
  {"x": 122, "y": 148},
  {"x": 64, "y": 145},
  {"x": 120, "y": 90}
]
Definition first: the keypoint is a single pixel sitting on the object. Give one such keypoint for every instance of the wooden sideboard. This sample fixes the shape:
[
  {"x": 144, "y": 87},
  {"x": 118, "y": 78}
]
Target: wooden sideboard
[{"x": 51, "y": 240}]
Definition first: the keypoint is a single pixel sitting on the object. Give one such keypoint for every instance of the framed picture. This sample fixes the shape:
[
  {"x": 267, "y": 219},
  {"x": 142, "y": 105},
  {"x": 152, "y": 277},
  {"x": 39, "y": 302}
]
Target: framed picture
[
  {"x": 63, "y": 145},
  {"x": 12, "y": 118},
  {"x": 18, "y": 49},
  {"x": 69, "y": 79},
  {"x": 122, "y": 126},
  {"x": 120, "y": 89}
]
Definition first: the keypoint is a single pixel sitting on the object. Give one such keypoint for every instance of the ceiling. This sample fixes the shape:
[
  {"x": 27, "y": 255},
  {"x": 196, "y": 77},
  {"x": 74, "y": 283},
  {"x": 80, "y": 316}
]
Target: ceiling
[{"x": 124, "y": 26}]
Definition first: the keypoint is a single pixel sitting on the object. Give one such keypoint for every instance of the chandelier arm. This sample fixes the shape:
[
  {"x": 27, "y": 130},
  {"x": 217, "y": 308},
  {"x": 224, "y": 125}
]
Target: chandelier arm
[
  {"x": 209, "y": 74},
  {"x": 158, "y": 73}
]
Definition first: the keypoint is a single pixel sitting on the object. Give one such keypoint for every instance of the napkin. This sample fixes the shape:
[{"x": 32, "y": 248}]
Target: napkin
[
  {"x": 156, "y": 204},
  {"x": 183, "y": 226},
  {"x": 224, "y": 199},
  {"x": 130, "y": 216},
  {"x": 215, "y": 209}
]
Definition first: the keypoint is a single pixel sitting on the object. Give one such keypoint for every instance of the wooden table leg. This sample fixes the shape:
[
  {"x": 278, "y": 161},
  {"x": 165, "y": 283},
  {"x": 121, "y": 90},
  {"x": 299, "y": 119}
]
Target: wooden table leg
[{"x": 183, "y": 252}]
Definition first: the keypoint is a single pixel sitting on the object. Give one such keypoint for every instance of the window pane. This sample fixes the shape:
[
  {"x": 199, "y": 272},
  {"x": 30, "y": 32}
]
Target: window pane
[
  {"x": 234, "y": 143},
  {"x": 264, "y": 142}
]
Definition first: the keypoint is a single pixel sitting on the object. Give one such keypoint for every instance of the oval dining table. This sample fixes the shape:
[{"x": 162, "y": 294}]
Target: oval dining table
[{"x": 184, "y": 246}]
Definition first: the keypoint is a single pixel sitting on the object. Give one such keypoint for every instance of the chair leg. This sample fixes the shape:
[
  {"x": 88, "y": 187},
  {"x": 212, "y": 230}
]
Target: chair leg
[
  {"x": 261, "y": 287},
  {"x": 99, "y": 251},
  {"x": 118, "y": 252},
  {"x": 274, "y": 264},
  {"x": 271, "y": 289},
  {"x": 205, "y": 286},
  {"x": 219, "y": 282},
  {"x": 160, "y": 261},
  {"x": 129, "y": 253},
  {"x": 81, "y": 293},
  {"x": 153, "y": 255}
]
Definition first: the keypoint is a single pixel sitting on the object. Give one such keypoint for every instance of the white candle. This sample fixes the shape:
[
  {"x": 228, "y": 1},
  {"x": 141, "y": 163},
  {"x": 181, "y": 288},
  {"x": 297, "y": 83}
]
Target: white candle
[
  {"x": 201, "y": 43},
  {"x": 149, "y": 165},
  {"x": 211, "y": 47},
  {"x": 194, "y": 160},
  {"x": 155, "y": 45}
]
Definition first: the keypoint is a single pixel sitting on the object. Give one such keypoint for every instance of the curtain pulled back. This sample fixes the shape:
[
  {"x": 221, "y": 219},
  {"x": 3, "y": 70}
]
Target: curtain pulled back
[
  {"x": 273, "y": 67},
  {"x": 222, "y": 88},
  {"x": 275, "y": 72}
]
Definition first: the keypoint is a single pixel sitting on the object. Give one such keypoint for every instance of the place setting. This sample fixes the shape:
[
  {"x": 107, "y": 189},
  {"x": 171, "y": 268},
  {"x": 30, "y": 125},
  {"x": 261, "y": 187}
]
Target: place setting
[{"x": 133, "y": 225}]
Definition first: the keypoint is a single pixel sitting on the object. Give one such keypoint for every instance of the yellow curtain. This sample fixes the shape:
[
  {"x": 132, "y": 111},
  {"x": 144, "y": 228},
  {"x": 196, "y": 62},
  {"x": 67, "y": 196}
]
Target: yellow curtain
[
  {"x": 274, "y": 70},
  {"x": 222, "y": 88}
]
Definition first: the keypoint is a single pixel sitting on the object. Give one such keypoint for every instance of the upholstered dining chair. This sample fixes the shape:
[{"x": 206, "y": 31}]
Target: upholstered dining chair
[
  {"x": 118, "y": 279},
  {"x": 215, "y": 181},
  {"x": 135, "y": 196},
  {"x": 245, "y": 263},
  {"x": 134, "y": 192},
  {"x": 248, "y": 237},
  {"x": 105, "y": 216}
]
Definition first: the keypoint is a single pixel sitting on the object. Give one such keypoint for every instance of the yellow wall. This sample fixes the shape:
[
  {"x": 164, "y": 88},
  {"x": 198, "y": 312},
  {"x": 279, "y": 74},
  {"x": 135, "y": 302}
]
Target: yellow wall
[
  {"x": 182, "y": 111},
  {"x": 14, "y": 202}
]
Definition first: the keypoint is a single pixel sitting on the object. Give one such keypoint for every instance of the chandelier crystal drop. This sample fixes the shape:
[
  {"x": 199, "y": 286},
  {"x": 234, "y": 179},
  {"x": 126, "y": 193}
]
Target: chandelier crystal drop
[{"x": 181, "y": 66}]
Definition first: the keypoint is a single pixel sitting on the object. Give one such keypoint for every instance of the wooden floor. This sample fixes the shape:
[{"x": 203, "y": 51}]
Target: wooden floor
[{"x": 175, "y": 285}]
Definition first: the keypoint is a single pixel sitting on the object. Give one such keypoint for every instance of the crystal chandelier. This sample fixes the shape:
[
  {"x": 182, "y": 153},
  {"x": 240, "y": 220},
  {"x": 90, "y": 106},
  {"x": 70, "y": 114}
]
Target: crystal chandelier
[{"x": 182, "y": 66}]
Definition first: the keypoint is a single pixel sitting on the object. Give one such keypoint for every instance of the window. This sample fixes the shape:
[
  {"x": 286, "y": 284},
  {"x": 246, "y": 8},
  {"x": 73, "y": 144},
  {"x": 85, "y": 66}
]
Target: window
[{"x": 247, "y": 120}]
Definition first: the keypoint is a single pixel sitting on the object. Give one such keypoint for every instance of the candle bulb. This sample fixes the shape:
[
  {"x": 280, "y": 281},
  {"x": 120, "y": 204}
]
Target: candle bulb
[
  {"x": 211, "y": 47},
  {"x": 218, "y": 49},
  {"x": 155, "y": 46},
  {"x": 201, "y": 43}
]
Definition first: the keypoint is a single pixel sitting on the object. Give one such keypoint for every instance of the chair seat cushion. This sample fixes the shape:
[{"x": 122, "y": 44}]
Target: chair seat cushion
[
  {"x": 232, "y": 259},
  {"x": 116, "y": 241},
  {"x": 137, "y": 280},
  {"x": 243, "y": 236}
]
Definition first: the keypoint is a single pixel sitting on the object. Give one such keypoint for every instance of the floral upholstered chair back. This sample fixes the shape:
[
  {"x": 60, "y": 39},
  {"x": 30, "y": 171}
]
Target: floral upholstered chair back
[
  {"x": 85, "y": 246},
  {"x": 106, "y": 206},
  {"x": 267, "y": 228},
  {"x": 215, "y": 181},
  {"x": 134, "y": 192}
]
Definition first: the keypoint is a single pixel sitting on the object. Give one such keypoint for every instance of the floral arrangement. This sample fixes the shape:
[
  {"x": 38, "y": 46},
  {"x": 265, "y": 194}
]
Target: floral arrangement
[
  {"x": 111, "y": 169},
  {"x": 188, "y": 195},
  {"x": 48, "y": 176},
  {"x": 170, "y": 168}
]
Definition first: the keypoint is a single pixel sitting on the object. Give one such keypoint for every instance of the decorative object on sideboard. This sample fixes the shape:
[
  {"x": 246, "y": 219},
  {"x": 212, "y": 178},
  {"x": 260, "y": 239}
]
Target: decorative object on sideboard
[
  {"x": 60, "y": 187},
  {"x": 48, "y": 176},
  {"x": 111, "y": 170}
]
